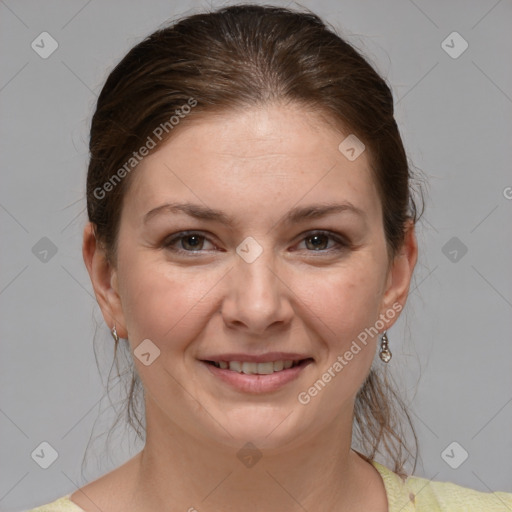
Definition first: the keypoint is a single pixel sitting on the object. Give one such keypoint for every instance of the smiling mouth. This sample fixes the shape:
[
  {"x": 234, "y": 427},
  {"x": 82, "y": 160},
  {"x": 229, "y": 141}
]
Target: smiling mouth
[{"x": 252, "y": 368}]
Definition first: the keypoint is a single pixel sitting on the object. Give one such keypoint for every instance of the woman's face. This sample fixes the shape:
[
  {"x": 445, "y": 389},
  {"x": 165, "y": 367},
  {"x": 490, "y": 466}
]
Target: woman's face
[{"x": 277, "y": 282}]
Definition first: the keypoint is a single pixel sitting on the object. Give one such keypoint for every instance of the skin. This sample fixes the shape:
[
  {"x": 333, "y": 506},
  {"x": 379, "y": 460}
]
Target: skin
[{"x": 254, "y": 165}]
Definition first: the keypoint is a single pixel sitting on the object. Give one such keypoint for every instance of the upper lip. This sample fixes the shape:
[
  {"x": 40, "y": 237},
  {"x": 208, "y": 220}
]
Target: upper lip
[{"x": 261, "y": 358}]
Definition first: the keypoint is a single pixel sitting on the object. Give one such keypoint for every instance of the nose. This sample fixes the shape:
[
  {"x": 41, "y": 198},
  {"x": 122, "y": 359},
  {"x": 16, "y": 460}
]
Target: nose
[{"x": 258, "y": 298}]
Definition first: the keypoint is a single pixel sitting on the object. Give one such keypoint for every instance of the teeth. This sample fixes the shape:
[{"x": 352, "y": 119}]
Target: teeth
[
  {"x": 236, "y": 366},
  {"x": 265, "y": 368},
  {"x": 278, "y": 366},
  {"x": 251, "y": 368}
]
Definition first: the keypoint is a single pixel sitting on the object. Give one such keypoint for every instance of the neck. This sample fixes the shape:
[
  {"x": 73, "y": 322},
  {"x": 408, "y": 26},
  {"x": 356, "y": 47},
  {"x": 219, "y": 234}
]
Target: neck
[{"x": 190, "y": 473}]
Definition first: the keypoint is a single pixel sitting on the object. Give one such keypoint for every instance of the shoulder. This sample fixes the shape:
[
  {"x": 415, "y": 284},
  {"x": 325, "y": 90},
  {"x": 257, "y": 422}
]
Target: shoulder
[
  {"x": 421, "y": 495},
  {"x": 63, "y": 504},
  {"x": 454, "y": 498}
]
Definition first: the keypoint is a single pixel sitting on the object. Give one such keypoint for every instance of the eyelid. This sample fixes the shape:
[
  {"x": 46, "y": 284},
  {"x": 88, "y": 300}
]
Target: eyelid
[
  {"x": 342, "y": 242},
  {"x": 175, "y": 237}
]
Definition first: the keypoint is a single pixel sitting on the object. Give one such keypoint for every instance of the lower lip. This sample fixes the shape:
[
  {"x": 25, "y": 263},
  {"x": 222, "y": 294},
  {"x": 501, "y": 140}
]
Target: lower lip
[{"x": 257, "y": 383}]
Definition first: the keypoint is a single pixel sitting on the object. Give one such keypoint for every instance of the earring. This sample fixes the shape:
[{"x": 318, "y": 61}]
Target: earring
[
  {"x": 385, "y": 353},
  {"x": 114, "y": 334}
]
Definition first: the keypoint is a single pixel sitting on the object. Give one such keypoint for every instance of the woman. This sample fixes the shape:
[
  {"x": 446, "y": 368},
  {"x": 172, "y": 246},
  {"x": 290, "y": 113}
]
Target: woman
[{"x": 251, "y": 239}]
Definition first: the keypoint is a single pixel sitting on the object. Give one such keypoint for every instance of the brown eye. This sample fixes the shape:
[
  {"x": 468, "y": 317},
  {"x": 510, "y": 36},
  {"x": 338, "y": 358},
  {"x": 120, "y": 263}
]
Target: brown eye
[
  {"x": 194, "y": 242},
  {"x": 319, "y": 242},
  {"x": 187, "y": 242}
]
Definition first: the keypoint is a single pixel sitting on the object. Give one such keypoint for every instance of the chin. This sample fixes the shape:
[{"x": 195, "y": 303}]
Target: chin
[{"x": 265, "y": 426}]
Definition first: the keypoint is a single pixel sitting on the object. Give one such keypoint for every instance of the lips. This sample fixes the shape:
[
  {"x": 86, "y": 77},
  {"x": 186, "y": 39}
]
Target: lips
[
  {"x": 253, "y": 364},
  {"x": 258, "y": 368},
  {"x": 257, "y": 358},
  {"x": 256, "y": 377}
]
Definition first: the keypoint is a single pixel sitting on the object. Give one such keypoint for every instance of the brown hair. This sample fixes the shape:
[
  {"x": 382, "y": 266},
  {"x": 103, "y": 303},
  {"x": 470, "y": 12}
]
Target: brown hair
[{"x": 236, "y": 57}]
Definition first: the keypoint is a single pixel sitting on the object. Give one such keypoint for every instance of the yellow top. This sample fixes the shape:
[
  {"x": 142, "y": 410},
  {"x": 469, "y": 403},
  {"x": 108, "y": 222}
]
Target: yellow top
[{"x": 415, "y": 494}]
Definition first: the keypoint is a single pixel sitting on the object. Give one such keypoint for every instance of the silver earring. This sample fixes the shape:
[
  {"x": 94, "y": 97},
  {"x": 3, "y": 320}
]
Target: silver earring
[
  {"x": 114, "y": 333},
  {"x": 385, "y": 353}
]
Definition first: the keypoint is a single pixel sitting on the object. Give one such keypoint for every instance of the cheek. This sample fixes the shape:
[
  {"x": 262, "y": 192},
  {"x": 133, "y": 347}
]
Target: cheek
[
  {"x": 342, "y": 308},
  {"x": 346, "y": 300},
  {"x": 164, "y": 304}
]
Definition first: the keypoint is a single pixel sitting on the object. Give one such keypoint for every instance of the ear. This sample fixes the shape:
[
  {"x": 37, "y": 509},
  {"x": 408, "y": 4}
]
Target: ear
[
  {"x": 399, "y": 274},
  {"x": 104, "y": 281}
]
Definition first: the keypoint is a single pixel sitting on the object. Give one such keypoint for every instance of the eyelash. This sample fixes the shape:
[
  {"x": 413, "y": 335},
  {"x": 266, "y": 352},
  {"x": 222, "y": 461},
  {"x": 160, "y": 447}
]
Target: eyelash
[{"x": 342, "y": 244}]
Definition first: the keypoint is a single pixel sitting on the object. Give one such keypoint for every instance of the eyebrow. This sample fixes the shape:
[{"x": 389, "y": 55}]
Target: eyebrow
[{"x": 295, "y": 215}]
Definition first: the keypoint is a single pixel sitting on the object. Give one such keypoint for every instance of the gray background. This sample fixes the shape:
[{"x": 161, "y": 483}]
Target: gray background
[{"x": 452, "y": 349}]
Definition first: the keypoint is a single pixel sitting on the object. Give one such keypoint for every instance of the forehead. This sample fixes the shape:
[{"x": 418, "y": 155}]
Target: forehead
[{"x": 265, "y": 158}]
